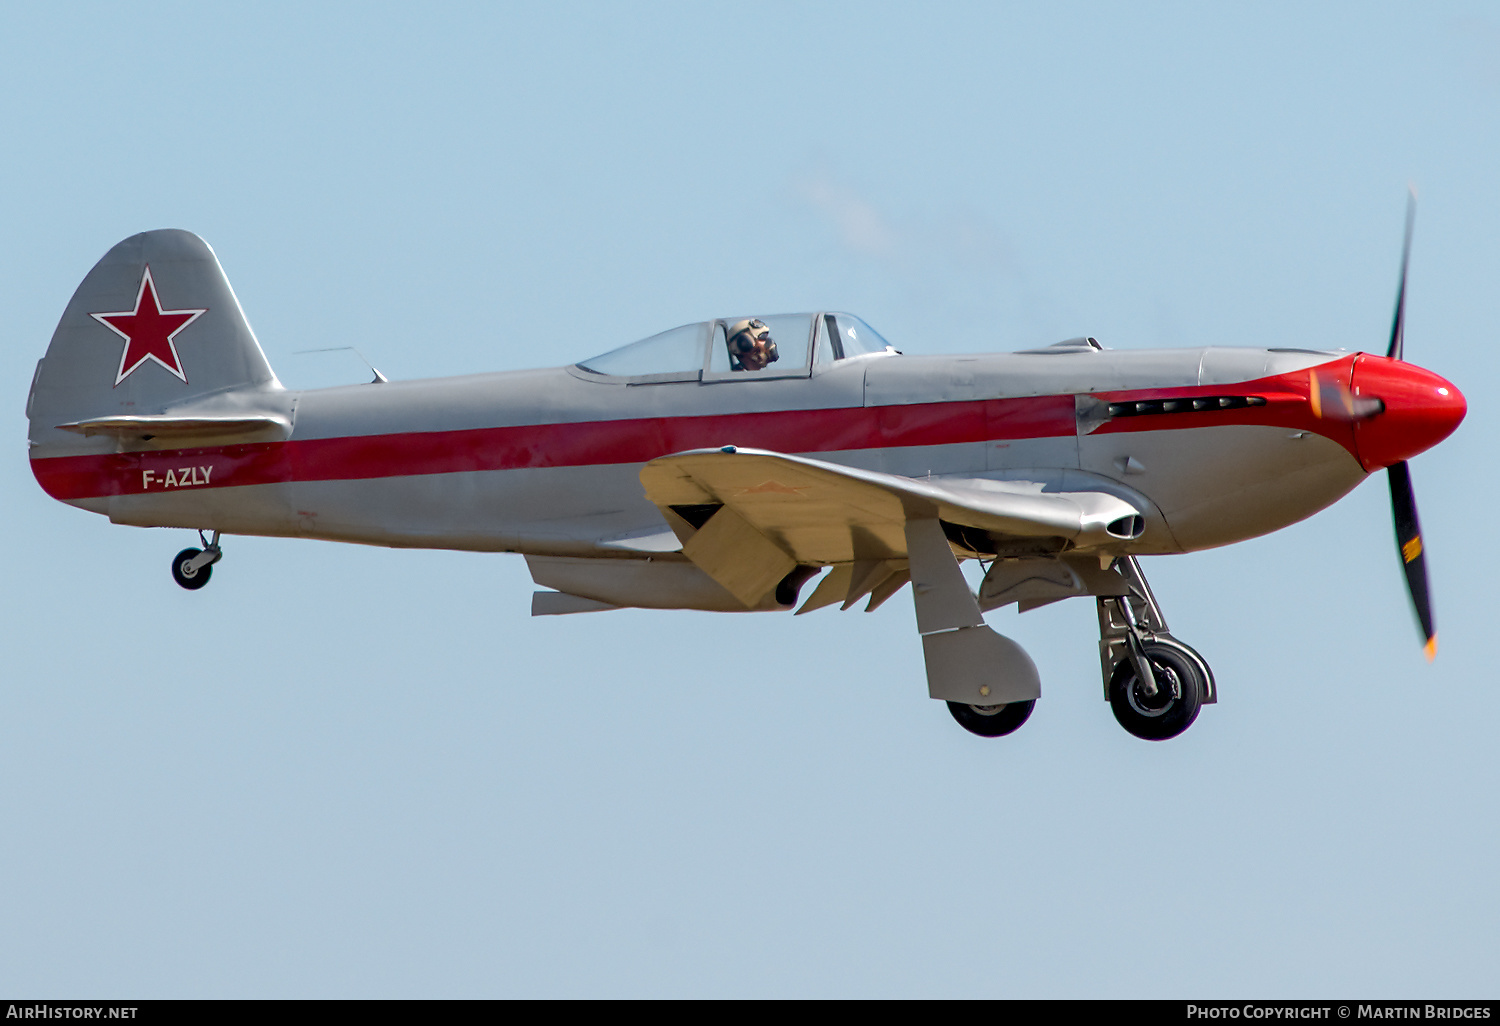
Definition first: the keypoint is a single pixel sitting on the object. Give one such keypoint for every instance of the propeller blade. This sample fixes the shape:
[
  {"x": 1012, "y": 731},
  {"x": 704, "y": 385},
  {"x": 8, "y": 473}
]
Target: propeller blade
[
  {"x": 1398, "y": 325},
  {"x": 1413, "y": 559}
]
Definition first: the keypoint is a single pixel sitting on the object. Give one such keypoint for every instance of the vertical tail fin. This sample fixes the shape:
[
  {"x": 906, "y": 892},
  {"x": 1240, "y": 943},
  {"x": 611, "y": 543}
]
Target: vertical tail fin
[{"x": 153, "y": 326}]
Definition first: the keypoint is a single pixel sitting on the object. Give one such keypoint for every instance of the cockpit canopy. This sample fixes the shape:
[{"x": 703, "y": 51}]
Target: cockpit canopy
[{"x": 720, "y": 349}]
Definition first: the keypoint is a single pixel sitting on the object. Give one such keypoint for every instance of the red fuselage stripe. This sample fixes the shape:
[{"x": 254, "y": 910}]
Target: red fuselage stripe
[{"x": 641, "y": 440}]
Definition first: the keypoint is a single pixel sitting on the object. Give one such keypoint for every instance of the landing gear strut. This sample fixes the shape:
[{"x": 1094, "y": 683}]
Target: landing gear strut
[
  {"x": 191, "y": 568},
  {"x": 988, "y": 681},
  {"x": 1154, "y": 683}
]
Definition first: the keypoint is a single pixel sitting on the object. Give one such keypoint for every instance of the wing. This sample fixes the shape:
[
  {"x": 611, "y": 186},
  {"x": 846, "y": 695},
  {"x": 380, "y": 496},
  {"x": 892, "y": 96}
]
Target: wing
[{"x": 748, "y": 517}]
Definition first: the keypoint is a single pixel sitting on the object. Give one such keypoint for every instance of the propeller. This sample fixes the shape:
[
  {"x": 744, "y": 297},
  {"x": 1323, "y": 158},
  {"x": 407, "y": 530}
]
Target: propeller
[
  {"x": 1403, "y": 502},
  {"x": 1409, "y": 544},
  {"x": 1398, "y": 323}
]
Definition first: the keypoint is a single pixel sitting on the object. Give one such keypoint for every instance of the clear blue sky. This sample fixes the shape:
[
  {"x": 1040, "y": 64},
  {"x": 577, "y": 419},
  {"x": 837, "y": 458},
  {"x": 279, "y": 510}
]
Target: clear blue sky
[{"x": 346, "y": 771}]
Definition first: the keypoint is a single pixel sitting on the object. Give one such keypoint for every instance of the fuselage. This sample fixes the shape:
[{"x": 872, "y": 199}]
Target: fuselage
[{"x": 1212, "y": 445}]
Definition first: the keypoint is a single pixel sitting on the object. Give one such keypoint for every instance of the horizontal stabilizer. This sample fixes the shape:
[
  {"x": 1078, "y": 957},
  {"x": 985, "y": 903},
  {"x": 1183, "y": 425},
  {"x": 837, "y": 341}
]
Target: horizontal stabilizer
[{"x": 178, "y": 429}]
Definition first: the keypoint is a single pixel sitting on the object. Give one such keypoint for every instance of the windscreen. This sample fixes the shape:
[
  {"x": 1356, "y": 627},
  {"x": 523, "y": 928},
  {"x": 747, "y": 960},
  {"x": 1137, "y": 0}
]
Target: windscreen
[{"x": 853, "y": 337}]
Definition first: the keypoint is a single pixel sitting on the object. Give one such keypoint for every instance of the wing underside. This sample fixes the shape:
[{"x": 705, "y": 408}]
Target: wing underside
[{"x": 749, "y": 518}]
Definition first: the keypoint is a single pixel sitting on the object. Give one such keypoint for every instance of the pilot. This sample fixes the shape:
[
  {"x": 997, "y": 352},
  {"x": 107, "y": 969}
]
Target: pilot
[{"x": 751, "y": 347}]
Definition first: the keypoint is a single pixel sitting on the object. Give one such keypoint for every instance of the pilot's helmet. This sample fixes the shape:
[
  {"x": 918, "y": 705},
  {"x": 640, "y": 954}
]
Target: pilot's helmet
[{"x": 748, "y": 336}]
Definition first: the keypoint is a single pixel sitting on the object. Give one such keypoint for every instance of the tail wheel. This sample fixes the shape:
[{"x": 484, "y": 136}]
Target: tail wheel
[
  {"x": 1172, "y": 709},
  {"x": 991, "y": 720},
  {"x": 183, "y": 573}
]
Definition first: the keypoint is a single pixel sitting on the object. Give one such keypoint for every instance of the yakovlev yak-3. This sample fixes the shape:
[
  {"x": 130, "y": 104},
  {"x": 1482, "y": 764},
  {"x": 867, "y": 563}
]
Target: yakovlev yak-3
[{"x": 724, "y": 465}]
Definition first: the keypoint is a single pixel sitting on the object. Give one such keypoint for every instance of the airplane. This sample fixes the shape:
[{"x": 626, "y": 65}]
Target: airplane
[{"x": 724, "y": 465}]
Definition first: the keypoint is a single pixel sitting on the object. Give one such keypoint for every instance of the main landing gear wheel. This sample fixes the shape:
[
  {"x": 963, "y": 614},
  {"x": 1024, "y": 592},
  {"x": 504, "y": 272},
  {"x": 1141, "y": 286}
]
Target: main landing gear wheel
[
  {"x": 991, "y": 720},
  {"x": 183, "y": 572},
  {"x": 1172, "y": 709}
]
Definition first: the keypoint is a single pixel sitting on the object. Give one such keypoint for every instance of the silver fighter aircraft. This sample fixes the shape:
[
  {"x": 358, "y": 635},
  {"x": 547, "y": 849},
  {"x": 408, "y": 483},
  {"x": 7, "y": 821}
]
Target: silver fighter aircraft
[{"x": 725, "y": 465}]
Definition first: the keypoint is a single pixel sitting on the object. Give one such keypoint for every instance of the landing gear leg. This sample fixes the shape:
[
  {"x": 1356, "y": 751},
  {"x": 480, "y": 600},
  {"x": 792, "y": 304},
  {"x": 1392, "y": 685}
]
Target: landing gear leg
[
  {"x": 191, "y": 568},
  {"x": 988, "y": 681},
  {"x": 1154, "y": 683}
]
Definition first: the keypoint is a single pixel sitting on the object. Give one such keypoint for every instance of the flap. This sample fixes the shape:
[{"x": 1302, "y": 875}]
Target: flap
[
  {"x": 824, "y": 513},
  {"x": 560, "y": 603}
]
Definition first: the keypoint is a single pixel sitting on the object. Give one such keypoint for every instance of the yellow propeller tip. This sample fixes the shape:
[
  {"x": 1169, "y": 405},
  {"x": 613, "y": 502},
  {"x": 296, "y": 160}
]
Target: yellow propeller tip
[{"x": 1431, "y": 648}]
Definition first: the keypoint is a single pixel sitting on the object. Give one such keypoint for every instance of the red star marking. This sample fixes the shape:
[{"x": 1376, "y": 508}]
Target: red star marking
[{"x": 148, "y": 331}]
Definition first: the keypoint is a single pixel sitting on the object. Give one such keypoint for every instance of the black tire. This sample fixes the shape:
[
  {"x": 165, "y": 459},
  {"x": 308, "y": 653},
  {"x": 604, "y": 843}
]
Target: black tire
[
  {"x": 991, "y": 720},
  {"x": 1206, "y": 675},
  {"x": 192, "y": 581},
  {"x": 1163, "y": 715}
]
